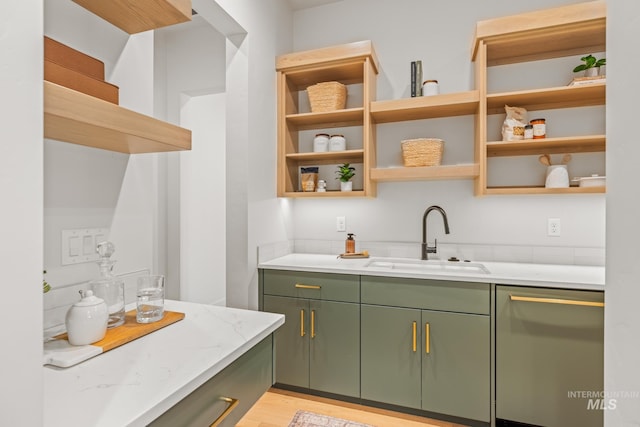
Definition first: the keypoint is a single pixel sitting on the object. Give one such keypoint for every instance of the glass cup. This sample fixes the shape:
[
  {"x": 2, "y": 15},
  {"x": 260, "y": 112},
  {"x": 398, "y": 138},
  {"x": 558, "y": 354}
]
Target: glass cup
[{"x": 150, "y": 299}]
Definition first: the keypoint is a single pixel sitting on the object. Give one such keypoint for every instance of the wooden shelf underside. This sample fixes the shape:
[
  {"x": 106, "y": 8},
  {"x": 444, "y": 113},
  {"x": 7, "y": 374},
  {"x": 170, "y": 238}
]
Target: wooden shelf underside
[
  {"x": 426, "y": 107},
  {"x": 327, "y": 158},
  {"x": 548, "y": 99},
  {"x": 577, "y": 144},
  {"x": 543, "y": 190},
  {"x": 445, "y": 172},
  {"x": 75, "y": 117},
  {"x": 338, "y": 193},
  {"x": 329, "y": 119}
]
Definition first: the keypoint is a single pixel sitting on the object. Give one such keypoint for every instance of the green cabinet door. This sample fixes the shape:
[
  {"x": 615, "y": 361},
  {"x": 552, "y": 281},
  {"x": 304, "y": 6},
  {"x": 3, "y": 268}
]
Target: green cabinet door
[
  {"x": 549, "y": 350},
  {"x": 456, "y": 364},
  {"x": 390, "y": 360},
  {"x": 335, "y": 347},
  {"x": 292, "y": 340}
]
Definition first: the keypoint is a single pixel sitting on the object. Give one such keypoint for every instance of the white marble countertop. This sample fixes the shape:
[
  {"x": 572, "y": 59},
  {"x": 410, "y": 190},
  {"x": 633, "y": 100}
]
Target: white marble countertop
[
  {"x": 133, "y": 384},
  {"x": 538, "y": 275}
]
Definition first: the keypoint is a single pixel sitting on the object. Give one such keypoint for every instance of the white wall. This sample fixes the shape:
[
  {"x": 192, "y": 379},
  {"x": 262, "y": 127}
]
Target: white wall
[
  {"x": 622, "y": 322},
  {"x": 440, "y": 35},
  {"x": 21, "y": 225}
]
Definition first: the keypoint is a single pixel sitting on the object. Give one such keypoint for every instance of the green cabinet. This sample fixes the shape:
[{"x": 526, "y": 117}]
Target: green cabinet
[
  {"x": 431, "y": 349},
  {"x": 549, "y": 350},
  {"x": 226, "y": 397},
  {"x": 319, "y": 344}
]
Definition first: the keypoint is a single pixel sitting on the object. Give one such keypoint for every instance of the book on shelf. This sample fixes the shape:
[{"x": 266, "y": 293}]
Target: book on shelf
[
  {"x": 416, "y": 78},
  {"x": 580, "y": 81}
]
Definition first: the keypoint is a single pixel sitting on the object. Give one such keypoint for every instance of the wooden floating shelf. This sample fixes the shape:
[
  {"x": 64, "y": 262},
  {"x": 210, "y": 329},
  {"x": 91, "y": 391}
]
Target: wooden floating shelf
[
  {"x": 426, "y": 107},
  {"x": 470, "y": 171},
  {"x": 75, "y": 117},
  {"x": 568, "y": 30},
  {"x": 547, "y": 99},
  {"x": 574, "y": 144},
  {"x": 140, "y": 15},
  {"x": 543, "y": 190},
  {"x": 329, "y": 119},
  {"x": 327, "y": 157},
  {"x": 334, "y": 193}
]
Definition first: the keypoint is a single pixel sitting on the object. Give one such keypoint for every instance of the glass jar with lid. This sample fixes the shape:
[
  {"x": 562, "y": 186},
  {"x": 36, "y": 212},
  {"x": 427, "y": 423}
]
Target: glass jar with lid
[{"x": 109, "y": 287}]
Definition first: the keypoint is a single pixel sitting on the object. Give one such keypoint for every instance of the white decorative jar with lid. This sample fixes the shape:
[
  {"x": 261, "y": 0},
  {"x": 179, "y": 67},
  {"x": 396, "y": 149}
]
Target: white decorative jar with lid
[
  {"x": 321, "y": 143},
  {"x": 109, "y": 287},
  {"x": 430, "y": 88},
  {"x": 337, "y": 143},
  {"x": 86, "y": 320}
]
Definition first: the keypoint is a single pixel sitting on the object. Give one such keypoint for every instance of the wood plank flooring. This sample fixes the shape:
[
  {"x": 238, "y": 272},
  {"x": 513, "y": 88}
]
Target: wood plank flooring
[{"x": 277, "y": 407}]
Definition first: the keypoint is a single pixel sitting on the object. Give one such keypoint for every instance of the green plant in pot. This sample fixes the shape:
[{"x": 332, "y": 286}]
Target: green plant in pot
[
  {"x": 345, "y": 173},
  {"x": 590, "y": 66}
]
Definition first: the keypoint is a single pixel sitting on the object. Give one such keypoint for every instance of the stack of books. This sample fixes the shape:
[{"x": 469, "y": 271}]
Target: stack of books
[
  {"x": 416, "y": 78},
  {"x": 579, "y": 81}
]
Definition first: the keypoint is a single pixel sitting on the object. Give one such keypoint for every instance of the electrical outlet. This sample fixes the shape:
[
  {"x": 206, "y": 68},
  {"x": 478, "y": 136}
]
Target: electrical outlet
[
  {"x": 341, "y": 223},
  {"x": 553, "y": 227}
]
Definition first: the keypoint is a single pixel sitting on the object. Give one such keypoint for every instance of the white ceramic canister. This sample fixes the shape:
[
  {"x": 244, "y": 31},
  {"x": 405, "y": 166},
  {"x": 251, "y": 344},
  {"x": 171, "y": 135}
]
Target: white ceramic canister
[
  {"x": 557, "y": 177},
  {"x": 86, "y": 320},
  {"x": 430, "y": 88},
  {"x": 337, "y": 143},
  {"x": 321, "y": 143}
]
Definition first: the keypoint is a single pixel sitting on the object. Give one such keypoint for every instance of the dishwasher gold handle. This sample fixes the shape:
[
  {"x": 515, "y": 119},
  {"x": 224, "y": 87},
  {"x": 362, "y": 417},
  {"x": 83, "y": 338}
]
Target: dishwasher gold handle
[
  {"x": 301, "y": 323},
  {"x": 427, "y": 337},
  {"x": 556, "y": 301},
  {"x": 313, "y": 323},
  {"x": 301, "y": 286},
  {"x": 415, "y": 336},
  {"x": 232, "y": 405}
]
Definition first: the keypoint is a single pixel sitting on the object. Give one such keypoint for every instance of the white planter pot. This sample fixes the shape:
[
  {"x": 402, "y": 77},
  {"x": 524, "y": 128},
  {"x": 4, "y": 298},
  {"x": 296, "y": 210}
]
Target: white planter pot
[
  {"x": 591, "y": 72},
  {"x": 346, "y": 186}
]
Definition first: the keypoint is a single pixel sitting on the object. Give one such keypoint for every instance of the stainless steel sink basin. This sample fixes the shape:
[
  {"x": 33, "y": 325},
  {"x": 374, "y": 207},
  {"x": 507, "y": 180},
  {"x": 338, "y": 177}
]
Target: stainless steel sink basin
[{"x": 427, "y": 266}]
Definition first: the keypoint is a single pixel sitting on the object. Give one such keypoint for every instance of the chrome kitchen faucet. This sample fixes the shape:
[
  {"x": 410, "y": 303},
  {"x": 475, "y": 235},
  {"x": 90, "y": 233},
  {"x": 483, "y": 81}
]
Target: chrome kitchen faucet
[{"x": 426, "y": 249}]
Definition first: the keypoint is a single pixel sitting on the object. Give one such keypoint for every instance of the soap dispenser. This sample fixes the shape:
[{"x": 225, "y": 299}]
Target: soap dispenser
[
  {"x": 109, "y": 287},
  {"x": 350, "y": 244}
]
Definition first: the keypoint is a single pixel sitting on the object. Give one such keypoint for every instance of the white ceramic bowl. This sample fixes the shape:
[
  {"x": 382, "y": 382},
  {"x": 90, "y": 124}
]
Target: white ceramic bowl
[{"x": 591, "y": 181}]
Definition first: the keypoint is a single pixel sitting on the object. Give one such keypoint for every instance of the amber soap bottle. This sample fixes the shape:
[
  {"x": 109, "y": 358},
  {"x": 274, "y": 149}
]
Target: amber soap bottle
[{"x": 350, "y": 244}]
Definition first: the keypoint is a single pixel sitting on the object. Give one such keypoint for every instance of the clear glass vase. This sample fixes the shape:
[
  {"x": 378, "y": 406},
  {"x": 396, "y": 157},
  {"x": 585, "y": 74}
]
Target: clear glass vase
[{"x": 109, "y": 287}]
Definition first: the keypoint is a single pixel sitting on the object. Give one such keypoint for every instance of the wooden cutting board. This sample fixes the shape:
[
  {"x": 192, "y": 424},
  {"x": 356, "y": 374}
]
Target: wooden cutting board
[{"x": 60, "y": 353}]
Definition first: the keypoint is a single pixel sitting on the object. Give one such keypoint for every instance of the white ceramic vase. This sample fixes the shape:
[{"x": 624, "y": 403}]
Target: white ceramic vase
[{"x": 346, "y": 186}]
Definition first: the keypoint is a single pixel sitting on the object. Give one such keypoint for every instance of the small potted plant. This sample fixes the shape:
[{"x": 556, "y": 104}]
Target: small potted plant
[
  {"x": 345, "y": 173},
  {"x": 591, "y": 65}
]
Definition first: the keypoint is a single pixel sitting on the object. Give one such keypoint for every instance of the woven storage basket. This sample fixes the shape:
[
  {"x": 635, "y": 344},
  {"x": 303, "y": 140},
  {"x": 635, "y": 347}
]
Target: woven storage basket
[
  {"x": 327, "y": 96},
  {"x": 422, "y": 151}
]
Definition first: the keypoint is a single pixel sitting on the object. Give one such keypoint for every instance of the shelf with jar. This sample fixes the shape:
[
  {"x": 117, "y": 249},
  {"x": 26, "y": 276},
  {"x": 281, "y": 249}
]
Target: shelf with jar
[
  {"x": 534, "y": 36},
  {"x": 353, "y": 66}
]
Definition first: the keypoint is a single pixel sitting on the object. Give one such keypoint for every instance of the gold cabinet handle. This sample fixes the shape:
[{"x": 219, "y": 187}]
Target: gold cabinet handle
[
  {"x": 415, "y": 336},
  {"x": 556, "y": 301},
  {"x": 301, "y": 286},
  {"x": 313, "y": 323},
  {"x": 427, "y": 336},
  {"x": 232, "y": 405},
  {"x": 301, "y": 323}
]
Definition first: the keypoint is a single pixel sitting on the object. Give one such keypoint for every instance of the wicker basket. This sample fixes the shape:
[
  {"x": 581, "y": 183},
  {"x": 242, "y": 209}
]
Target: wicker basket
[
  {"x": 327, "y": 96},
  {"x": 422, "y": 151}
]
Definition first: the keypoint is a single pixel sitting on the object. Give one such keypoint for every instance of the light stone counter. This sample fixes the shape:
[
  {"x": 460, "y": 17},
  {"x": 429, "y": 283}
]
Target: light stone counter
[
  {"x": 524, "y": 274},
  {"x": 133, "y": 384}
]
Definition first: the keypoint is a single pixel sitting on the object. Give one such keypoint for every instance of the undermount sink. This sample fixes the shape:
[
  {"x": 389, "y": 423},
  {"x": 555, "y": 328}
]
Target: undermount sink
[{"x": 428, "y": 266}]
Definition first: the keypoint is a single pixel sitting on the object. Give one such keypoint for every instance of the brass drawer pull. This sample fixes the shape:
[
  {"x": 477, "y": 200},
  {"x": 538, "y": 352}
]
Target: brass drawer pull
[
  {"x": 557, "y": 301},
  {"x": 415, "y": 336},
  {"x": 301, "y": 286},
  {"x": 313, "y": 323},
  {"x": 232, "y": 405},
  {"x": 301, "y": 323},
  {"x": 427, "y": 336}
]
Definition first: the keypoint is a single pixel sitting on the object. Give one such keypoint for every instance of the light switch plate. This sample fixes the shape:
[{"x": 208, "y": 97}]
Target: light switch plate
[{"x": 79, "y": 245}]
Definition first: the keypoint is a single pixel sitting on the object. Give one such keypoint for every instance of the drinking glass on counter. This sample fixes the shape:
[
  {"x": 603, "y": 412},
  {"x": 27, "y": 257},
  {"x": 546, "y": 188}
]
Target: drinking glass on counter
[{"x": 150, "y": 298}]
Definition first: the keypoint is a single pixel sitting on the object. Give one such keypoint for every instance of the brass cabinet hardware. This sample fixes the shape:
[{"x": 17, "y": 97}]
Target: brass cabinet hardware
[
  {"x": 232, "y": 405},
  {"x": 313, "y": 323},
  {"x": 427, "y": 337},
  {"x": 556, "y": 301},
  {"x": 301, "y": 286},
  {"x": 415, "y": 336},
  {"x": 301, "y": 323}
]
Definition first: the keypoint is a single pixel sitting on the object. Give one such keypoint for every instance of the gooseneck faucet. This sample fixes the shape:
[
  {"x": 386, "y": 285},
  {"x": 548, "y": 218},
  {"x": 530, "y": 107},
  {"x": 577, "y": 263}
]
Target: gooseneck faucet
[{"x": 426, "y": 249}]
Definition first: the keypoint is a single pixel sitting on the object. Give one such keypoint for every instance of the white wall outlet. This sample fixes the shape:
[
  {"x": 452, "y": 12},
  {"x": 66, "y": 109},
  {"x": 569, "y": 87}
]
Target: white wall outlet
[
  {"x": 553, "y": 227},
  {"x": 341, "y": 223},
  {"x": 79, "y": 245}
]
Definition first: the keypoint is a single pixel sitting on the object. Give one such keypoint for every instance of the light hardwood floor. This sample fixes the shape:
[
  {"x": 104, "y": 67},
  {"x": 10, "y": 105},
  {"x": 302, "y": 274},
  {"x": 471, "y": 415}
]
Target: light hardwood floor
[{"x": 277, "y": 407}]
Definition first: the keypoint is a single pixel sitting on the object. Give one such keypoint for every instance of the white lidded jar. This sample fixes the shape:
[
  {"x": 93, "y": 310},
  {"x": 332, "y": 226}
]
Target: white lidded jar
[
  {"x": 337, "y": 143},
  {"x": 86, "y": 320},
  {"x": 321, "y": 143},
  {"x": 430, "y": 88}
]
